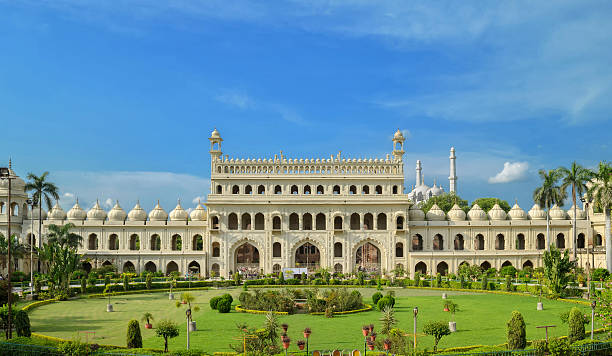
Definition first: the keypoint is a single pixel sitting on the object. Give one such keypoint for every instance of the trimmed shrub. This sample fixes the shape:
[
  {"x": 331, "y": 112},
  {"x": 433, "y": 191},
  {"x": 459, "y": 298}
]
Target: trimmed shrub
[
  {"x": 540, "y": 347},
  {"x": 576, "y": 325},
  {"x": 439, "y": 280},
  {"x": 517, "y": 338},
  {"x": 22, "y": 323},
  {"x": 558, "y": 347},
  {"x": 417, "y": 279},
  {"x": 214, "y": 301},
  {"x": 376, "y": 297},
  {"x": 281, "y": 278},
  {"x": 134, "y": 338},
  {"x": 508, "y": 284},
  {"x": 462, "y": 282},
  {"x": 385, "y": 302},
  {"x": 224, "y": 305},
  {"x": 228, "y": 297},
  {"x": 149, "y": 281},
  {"x": 126, "y": 282},
  {"x": 485, "y": 282},
  {"x": 83, "y": 284}
]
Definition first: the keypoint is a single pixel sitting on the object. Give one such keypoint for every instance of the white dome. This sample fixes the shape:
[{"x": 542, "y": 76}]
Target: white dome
[
  {"x": 17, "y": 184},
  {"x": 179, "y": 214},
  {"x": 76, "y": 213},
  {"x": 536, "y": 213},
  {"x": 398, "y": 135},
  {"x": 456, "y": 213},
  {"x": 580, "y": 215},
  {"x": 435, "y": 213},
  {"x": 57, "y": 213},
  {"x": 415, "y": 213},
  {"x": 435, "y": 190},
  {"x": 497, "y": 213},
  {"x": 137, "y": 213},
  {"x": 35, "y": 214},
  {"x": 557, "y": 213},
  {"x": 419, "y": 192},
  {"x": 476, "y": 213},
  {"x": 117, "y": 213},
  {"x": 199, "y": 213},
  {"x": 158, "y": 214},
  {"x": 96, "y": 213},
  {"x": 516, "y": 213},
  {"x": 215, "y": 134}
]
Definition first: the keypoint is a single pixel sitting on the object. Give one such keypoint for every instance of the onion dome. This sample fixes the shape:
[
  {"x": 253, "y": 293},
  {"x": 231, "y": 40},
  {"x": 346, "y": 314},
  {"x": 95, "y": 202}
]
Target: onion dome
[
  {"x": 158, "y": 214},
  {"x": 416, "y": 214},
  {"x": 435, "y": 213},
  {"x": 76, "y": 213},
  {"x": 580, "y": 215},
  {"x": 497, "y": 213},
  {"x": 57, "y": 213},
  {"x": 17, "y": 184},
  {"x": 398, "y": 135},
  {"x": 516, "y": 213},
  {"x": 137, "y": 213},
  {"x": 199, "y": 213},
  {"x": 476, "y": 213},
  {"x": 536, "y": 213},
  {"x": 215, "y": 134},
  {"x": 117, "y": 213},
  {"x": 456, "y": 213},
  {"x": 557, "y": 213},
  {"x": 96, "y": 213},
  {"x": 34, "y": 213},
  {"x": 179, "y": 214}
]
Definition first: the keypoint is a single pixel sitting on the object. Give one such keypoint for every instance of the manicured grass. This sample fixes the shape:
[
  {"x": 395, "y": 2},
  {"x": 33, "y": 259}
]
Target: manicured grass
[{"x": 481, "y": 319}]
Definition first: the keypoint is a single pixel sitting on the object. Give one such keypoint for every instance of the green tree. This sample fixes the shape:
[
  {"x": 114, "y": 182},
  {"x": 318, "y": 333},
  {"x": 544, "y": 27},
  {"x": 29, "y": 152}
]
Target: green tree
[
  {"x": 281, "y": 278},
  {"x": 387, "y": 320},
  {"x": 488, "y": 203},
  {"x": 517, "y": 335},
  {"x": 43, "y": 191},
  {"x": 437, "y": 329},
  {"x": 576, "y": 325},
  {"x": 22, "y": 323},
  {"x": 149, "y": 280},
  {"x": 60, "y": 254},
  {"x": 18, "y": 250},
  {"x": 549, "y": 194},
  {"x": 134, "y": 338},
  {"x": 601, "y": 193},
  {"x": 126, "y": 282},
  {"x": 168, "y": 330},
  {"x": 445, "y": 202},
  {"x": 557, "y": 268},
  {"x": 575, "y": 176},
  {"x": 62, "y": 236}
]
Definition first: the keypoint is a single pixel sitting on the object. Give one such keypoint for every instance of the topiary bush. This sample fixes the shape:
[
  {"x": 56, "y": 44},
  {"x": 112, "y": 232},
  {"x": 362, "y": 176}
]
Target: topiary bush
[
  {"x": 83, "y": 284},
  {"x": 376, "y": 297},
  {"x": 385, "y": 302},
  {"x": 517, "y": 338},
  {"x": 576, "y": 325},
  {"x": 149, "y": 281},
  {"x": 484, "y": 282},
  {"x": 224, "y": 305},
  {"x": 228, "y": 297},
  {"x": 134, "y": 338},
  {"x": 540, "y": 347},
  {"x": 508, "y": 283},
  {"x": 438, "y": 280},
  {"x": 214, "y": 301},
  {"x": 558, "y": 347},
  {"x": 22, "y": 324},
  {"x": 417, "y": 279}
]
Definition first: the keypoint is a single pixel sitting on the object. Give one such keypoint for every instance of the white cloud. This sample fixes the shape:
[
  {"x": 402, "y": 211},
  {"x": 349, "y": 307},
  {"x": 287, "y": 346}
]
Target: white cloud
[
  {"x": 512, "y": 172},
  {"x": 108, "y": 203},
  {"x": 236, "y": 99},
  {"x": 243, "y": 101},
  {"x": 68, "y": 195},
  {"x": 198, "y": 199}
]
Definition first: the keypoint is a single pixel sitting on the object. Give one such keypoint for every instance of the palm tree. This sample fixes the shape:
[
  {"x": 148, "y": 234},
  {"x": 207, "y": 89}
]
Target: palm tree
[
  {"x": 42, "y": 190},
  {"x": 63, "y": 237},
  {"x": 601, "y": 193},
  {"x": 577, "y": 177},
  {"x": 548, "y": 194}
]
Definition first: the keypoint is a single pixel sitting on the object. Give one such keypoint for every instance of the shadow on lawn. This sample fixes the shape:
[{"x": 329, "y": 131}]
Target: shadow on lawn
[{"x": 72, "y": 324}]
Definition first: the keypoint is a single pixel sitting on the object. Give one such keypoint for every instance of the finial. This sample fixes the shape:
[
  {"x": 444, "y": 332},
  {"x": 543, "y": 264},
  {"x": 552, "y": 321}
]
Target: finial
[
  {"x": 77, "y": 200},
  {"x": 10, "y": 163}
]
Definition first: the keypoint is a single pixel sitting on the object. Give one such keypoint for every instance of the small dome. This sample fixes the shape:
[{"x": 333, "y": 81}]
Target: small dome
[
  {"x": 158, "y": 214},
  {"x": 435, "y": 190},
  {"x": 117, "y": 213},
  {"x": 215, "y": 134},
  {"x": 580, "y": 215},
  {"x": 536, "y": 213},
  {"x": 76, "y": 213},
  {"x": 456, "y": 213},
  {"x": 96, "y": 213},
  {"x": 497, "y": 213},
  {"x": 179, "y": 214},
  {"x": 199, "y": 213},
  {"x": 17, "y": 184},
  {"x": 416, "y": 214},
  {"x": 35, "y": 214},
  {"x": 57, "y": 213},
  {"x": 398, "y": 135},
  {"x": 436, "y": 214},
  {"x": 476, "y": 213},
  {"x": 516, "y": 213},
  {"x": 137, "y": 213},
  {"x": 557, "y": 213}
]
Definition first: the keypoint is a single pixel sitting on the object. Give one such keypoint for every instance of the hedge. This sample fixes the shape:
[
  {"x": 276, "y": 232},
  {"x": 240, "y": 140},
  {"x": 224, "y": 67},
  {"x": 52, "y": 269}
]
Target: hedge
[
  {"x": 368, "y": 307},
  {"x": 250, "y": 311}
]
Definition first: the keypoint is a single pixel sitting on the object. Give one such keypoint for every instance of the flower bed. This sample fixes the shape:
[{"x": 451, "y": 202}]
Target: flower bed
[
  {"x": 240, "y": 309},
  {"x": 368, "y": 307}
]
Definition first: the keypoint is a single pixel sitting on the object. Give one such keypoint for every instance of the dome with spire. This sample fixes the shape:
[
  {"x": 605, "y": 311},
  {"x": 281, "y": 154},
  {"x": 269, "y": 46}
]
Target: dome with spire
[
  {"x": 516, "y": 213},
  {"x": 557, "y": 213},
  {"x": 17, "y": 184},
  {"x": 415, "y": 213},
  {"x": 536, "y": 213},
  {"x": 96, "y": 213},
  {"x": 76, "y": 212},
  {"x": 34, "y": 214},
  {"x": 435, "y": 213},
  {"x": 497, "y": 213},
  {"x": 215, "y": 134},
  {"x": 435, "y": 191},
  {"x": 580, "y": 215},
  {"x": 137, "y": 213},
  {"x": 158, "y": 214},
  {"x": 476, "y": 213},
  {"x": 57, "y": 213},
  {"x": 456, "y": 213},
  {"x": 117, "y": 213},
  {"x": 199, "y": 213},
  {"x": 398, "y": 135},
  {"x": 179, "y": 214}
]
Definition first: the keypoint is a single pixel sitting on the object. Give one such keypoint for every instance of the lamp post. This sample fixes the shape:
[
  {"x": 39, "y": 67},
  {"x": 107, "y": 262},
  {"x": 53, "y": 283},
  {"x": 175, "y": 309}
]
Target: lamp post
[
  {"x": 415, "y": 311},
  {"x": 593, "y": 305},
  {"x": 188, "y": 313},
  {"x": 5, "y": 173},
  {"x": 30, "y": 202}
]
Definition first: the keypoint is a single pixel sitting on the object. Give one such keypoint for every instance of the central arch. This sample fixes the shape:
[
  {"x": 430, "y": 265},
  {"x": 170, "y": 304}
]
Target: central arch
[
  {"x": 307, "y": 255},
  {"x": 246, "y": 258},
  {"x": 368, "y": 258}
]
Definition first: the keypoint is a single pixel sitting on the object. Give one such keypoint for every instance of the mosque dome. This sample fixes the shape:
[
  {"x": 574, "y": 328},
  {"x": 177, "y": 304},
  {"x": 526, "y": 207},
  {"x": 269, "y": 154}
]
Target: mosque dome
[
  {"x": 420, "y": 192},
  {"x": 398, "y": 135},
  {"x": 117, "y": 213},
  {"x": 137, "y": 213},
  {"x": 580, "y": 215},
  {"x": 516, "y": 213},
  {"x": 35, "y": 213},
  {"x": 557, "y": 213},
  {"x": 215, "y": 134},
  {"x": 179, "y": 214},
  {"x": 199, "y": 213},
  {"x": 96, "y": 213},
  {"x": 536, "y": 213},
  {"x": 435, "y": 191},
  {"x": 158, "y": 214},
  {"x": 456, "y": 213},
  {"x": 415, "y": 213},
  {"x": 436, "y": 214},
  {"x": 76, "y": 213},
  {"x": 497, "y": 213},
  {"x": 476, "y": 213},
  {"x": 57, "y": 213}
]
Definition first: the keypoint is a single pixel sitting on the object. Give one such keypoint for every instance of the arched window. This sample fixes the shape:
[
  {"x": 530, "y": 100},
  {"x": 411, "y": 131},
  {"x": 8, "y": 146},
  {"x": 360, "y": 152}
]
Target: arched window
[
  {"x": 399, "y": 223},
  {"x": 176, "y": 243},
  {"x": 15, "y": 209},
  {"x": 214, "y": 221},
  {"x": 259, "y": 221},
  {"x": 438, "y": 243},
  {"x": 219, "y": 189},
  {"x": 378, "y": 189},
  {"x": 232, "y": 221},
  {"x": 307, "y": 189},
  {"x": 395, "y": 189},
  {"x": 541, "y": 242},
  {"x": 216, "y": 249},
  {"x": 320, "y": 221},
  {"x": 278, "y": 189},
  {"x": 480, "y": 242},
  {"x": 442, "y": 268},
  {"x": 276, "y": 223},
  {"x": 294, "y": 189},
  {"x": 294, "y": 222},
  {"x": 520, "y": 242},
  {"x": 485, "y": 266},
  {"x": 355, "y": 221},
  {"x": 500, "y": 242},
  {"x": 560, "y": 241},
  {"x": 338, "y": 249},
  {"x": 307, "y": 221},
  {"x": 338, "y": 268},
  {"x": 320, "y": 189},
  {"x": 150, "y": 267},
  {"x": 31, "y": 239},
  {"x": 417, "y": 243},
  {"x": 506, "y": 264},
  {"x": 276, "y": 268},
  {"x": 368, "y": 222},
  {"x": 155, "y": 243},
  {"x": 261, "y": 190},
  {"x": 459, "y": 243},
  {"x": 276, "y": 249},
  {"x": 248, "y": 190},
  {"x": 235, "y": 190},
  {"x": 93, "y": 242},
  {"x": 598, "y": 240},
  {"x": 527, "y": 264},
  {"x": 352, "y": 189},
  {"x": 399, "y": 249},
  {"x": 215, "y": 270},
  {"x": 134, "y": 242},
  {"x": 197, "y": 243},
  {"x": 336, "y": 189},
  {"x": 580, "y": 243},
  {"x": 246, "y": 221},
  {"x": 338, "y": 223},
  {"x": 381, "y": 221},
  {"x": 113, "y": 242},
  {"x": 1, "y": 207},
  {"x": 365, "y": 189},
  {"x": 420, "y": 268}
]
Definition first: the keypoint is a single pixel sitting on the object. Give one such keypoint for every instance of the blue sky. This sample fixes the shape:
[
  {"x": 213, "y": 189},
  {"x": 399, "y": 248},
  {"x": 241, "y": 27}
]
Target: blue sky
[{"x": 117, "y": 99}]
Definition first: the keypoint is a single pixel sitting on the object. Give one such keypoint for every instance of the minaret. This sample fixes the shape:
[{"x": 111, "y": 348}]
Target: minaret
[
  {"x": 419, "y": 177},
  {"x": 215, "y": 155},
  {"x": 453, "y": 172},
  {"x": 398, "y": 145}
]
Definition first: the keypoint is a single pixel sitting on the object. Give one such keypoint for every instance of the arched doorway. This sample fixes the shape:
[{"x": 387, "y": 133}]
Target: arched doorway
[
  {"x": 368, "y": 258},
  {"x": 86, "y": 266},
  {"x": 247, "y": 259},
  {"x": 194, "y": 268},
  {"x": 106, "y": 263},
  {"x": 506, "y": 264},
  {"x": 420, "y": 268},
  {"x": 128, "y": 267},
  {"x": 527, "y": 264},
  {"x": 442, "y": 268},
  {"x": 171, "y": 267},
  {"x": 150, "y": 267},
  {"x": 307, "y": 255},
  {"x": 485, "y": 266}
]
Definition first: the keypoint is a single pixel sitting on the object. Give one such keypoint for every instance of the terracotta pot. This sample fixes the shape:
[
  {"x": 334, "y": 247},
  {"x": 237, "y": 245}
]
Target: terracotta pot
[
  {"x": 445, "y": 309},
  {"x": 365, "y": 332},
  {"x": 148, "y": 326},
  {"x": 301, "y": 346},
  {"x": 371, "y": 347},
  {"x": 373, "y": 337},
  {"x": 183, "y": 302},
  {"x": 386, "y": 346},
  {"x": 306, "y": 335},
  {"x": 285, "y": 344}
]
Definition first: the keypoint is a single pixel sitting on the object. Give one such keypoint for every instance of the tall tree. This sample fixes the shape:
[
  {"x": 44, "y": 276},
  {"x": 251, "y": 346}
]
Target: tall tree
[
  {"x": 63, "y": 237},
  {"x": 445, "y": 202},
  {"x": 17, "y": 249},
  {"x": 60, "y": 253},
  {"x": 488, "y": 203},
  {"x": 575, "y": 176},
  {"x": 549, "y": 194},
  {"x": 601, "y": 193},
  {"x": 42, "y": 191}
]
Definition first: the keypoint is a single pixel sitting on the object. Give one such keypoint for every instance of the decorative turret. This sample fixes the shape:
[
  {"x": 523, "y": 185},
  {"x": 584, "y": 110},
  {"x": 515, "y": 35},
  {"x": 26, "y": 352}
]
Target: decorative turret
[
  {"x": 158, "y": 214},
  {"x": 580, "y": 215},
  {"x": 76, "y": 213},
  {"x": 215, "y": 144},
  {"x": 557, "y": 213},
  {"x": 57, "y": 213},
  {"x": 398, "y": 145},
  {"x": 117, "y": 213},
  {"x": 436, "y": 214},
  {"x": 476, "y": 213},
  {"x": 516, "y": 213},
  {"x": 536, "y": 213},
  {"x": 96, "y": 213},
  {"x": 416, "y": 214},
  {"x": 137, "y": 213},
  {"x": 199, "y": 213},
  {"x": 497, "y": 213},
  {"x": 179, "y": 214},
  {"x": 456, "y": 213},
  {"x": 453, "y": 172}
]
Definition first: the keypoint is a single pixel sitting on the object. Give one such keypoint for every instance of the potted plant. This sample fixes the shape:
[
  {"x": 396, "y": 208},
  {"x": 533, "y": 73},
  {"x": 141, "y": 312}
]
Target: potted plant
[
  {"x": 285, "y": 327},
  {"x": 286, "y": 343},
  {"x": 301, "y": 344},
  {"x": 387, "y": 345},
  {"x": 452, "y": 308},
  {"x": 172, "y": 284},
  {"x": 580, "y": 280},
  {"x": 307, "y": 332},
  {"x": 147, "y": 318},
  {"x": 373, "y": 336},
  {"x": 371, "y": 345},
  {"x": 188, "y": 298}
]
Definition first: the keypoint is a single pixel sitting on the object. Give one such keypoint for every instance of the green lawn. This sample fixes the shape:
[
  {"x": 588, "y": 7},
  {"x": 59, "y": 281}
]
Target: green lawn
[{"x": 481, "y": 320}]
